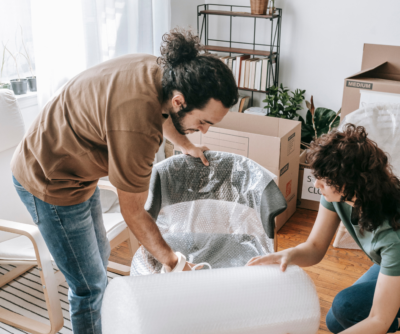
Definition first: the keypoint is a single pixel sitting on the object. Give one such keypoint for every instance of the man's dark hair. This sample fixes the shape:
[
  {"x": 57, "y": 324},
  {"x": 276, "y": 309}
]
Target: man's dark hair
[
  {"x": 356, "y": 166},
  {"x": 198, "y": 76}
]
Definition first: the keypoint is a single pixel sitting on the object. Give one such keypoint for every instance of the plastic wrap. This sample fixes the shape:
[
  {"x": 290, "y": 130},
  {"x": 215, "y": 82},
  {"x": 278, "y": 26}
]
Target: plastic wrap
[
  {"x": 246, "y": 300},
  {"x": 222, "y": 214},
  {"x": 382, "y": 123}
]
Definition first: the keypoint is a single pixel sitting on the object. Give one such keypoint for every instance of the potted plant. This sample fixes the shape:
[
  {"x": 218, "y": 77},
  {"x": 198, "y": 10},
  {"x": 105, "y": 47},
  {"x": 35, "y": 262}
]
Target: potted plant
[
  {"x": 318, "y": 122},
  {"x": 31, "y": 79},
  {"x": 3, "y": 85},
  {"x": 19, "y": 86},
  {"x": 282, "y": 103}
]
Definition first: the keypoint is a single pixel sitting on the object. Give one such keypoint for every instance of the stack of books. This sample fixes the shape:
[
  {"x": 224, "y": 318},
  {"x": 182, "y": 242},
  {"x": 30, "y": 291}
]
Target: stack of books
[{"x": 251, "y": 72}]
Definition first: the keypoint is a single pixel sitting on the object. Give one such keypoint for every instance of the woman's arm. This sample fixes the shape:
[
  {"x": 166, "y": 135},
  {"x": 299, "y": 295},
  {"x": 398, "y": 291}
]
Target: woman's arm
[
  {"x": 183, "y": 142},
  {"x": 312, "y": 251},
  {"x": 384, "y": 310}
]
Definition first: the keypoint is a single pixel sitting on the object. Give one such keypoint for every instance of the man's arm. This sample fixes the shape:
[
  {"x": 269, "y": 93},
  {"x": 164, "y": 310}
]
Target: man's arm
[
  {"x": 183, "y": 142},
  {"x": 144, "y": 228}
]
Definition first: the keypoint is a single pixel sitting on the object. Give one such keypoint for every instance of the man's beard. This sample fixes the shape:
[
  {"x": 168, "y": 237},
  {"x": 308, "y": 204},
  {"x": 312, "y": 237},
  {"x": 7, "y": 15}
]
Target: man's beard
[{"x": 177, "y": 120}]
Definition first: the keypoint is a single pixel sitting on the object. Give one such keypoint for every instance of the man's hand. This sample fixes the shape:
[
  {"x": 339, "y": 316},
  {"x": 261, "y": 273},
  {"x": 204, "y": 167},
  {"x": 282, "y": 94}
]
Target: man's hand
[
  {"x": 196, "y": 151},
  {"x": 188, "y": 267}
]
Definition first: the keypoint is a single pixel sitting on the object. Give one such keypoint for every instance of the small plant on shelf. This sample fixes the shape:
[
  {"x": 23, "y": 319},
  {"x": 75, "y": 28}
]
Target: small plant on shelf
[
  {"x": 318, "y": 122},
  {"x": 283, "y": 103}
]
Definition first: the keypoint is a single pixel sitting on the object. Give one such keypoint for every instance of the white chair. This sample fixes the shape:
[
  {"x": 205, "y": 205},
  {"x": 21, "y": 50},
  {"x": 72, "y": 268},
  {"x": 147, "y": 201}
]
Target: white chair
[{"x": 21, "y": 244}]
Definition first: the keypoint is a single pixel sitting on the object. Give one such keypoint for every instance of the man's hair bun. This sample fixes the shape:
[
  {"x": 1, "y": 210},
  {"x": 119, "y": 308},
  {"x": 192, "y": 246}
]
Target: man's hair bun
[{"x": 179, "y": 46}]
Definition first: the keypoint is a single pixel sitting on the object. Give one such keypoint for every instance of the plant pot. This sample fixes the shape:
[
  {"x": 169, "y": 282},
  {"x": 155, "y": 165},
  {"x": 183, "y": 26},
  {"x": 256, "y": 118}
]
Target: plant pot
[
  {"x": 19, "y": 86},
  {"x": 259, "y": 7},
  {"x": 4, "y": 85},
  {"x": 32, "y": 84}
]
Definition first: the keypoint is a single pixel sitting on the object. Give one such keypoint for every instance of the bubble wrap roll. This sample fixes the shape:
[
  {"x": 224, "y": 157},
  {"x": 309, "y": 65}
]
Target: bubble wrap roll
[{"x": 245, "y": 300}]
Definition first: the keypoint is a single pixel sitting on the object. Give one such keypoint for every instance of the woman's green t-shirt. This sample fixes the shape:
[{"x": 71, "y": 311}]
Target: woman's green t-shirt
[{"x": 382, "y": 245}]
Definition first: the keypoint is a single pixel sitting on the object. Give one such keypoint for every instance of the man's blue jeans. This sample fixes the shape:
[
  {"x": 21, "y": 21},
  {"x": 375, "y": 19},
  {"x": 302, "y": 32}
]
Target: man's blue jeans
[
  {"x": 353, "y": 305},
  {"x": 77, "y": 240}
]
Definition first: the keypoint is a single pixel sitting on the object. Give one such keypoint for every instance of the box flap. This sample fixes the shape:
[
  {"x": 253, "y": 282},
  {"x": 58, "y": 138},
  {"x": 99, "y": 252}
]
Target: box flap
[
  {"x": 261, "y": 125},
  {"x": 375, "y": 54},
  {"x": 382, "y": 71}
]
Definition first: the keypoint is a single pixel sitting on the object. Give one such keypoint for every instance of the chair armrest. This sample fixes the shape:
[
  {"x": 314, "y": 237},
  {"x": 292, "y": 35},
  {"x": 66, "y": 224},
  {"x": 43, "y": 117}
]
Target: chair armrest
[
  {"x": 106, "y": 185},
  {"x": 44, "y": 262}
]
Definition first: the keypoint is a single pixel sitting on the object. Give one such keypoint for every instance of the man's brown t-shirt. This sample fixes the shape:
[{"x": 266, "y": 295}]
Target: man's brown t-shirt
[{"x": 106, "y": 121}]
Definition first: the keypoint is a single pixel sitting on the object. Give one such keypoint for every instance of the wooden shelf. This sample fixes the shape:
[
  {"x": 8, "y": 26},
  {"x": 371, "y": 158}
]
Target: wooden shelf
[
  {"x": 241, "y": 14},
  {"x": 237, "y": 50},
  {"x": 253, "y": 90}
]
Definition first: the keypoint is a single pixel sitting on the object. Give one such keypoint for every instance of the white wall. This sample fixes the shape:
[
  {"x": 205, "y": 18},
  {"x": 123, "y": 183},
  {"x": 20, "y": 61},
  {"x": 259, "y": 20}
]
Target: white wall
[
  {"x": 321, "y": 42},
  {"x": 183, "y": 13}
]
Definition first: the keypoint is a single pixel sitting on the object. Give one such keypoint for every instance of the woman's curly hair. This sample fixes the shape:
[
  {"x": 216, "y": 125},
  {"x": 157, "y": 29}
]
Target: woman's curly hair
[
  {"x": 354, "y": 164},
  {"x": 197, "y": 75}
]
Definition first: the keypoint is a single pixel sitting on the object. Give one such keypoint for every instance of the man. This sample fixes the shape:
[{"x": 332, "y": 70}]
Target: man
[{"x": 110, "y": 120}]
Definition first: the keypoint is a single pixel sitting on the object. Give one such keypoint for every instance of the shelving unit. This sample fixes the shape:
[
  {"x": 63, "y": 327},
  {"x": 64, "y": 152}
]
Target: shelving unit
[{"x": 272, "y": 48}]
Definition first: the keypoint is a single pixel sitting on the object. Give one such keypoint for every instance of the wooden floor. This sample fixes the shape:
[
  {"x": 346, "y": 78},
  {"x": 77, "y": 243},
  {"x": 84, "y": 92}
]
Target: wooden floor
[{"x": 339, "y": 269}]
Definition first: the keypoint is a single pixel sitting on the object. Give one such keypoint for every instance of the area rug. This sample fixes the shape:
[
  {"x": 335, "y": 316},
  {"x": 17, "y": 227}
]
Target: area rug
[{"x": 24, "y": 295}]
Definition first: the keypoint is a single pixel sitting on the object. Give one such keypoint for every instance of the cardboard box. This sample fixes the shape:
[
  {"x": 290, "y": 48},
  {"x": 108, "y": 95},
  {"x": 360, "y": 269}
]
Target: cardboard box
[
  {"x": 380, "y": 72},
  {"x": 273, "y": 143},
  {"x": 308, "y": 197}
]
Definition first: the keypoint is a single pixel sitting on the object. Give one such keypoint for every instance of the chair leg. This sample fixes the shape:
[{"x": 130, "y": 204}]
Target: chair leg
[
  {"x": 15, "y": 273},
  {"x": 47, "y": 279},
  {"x": 118, "y": 268}
]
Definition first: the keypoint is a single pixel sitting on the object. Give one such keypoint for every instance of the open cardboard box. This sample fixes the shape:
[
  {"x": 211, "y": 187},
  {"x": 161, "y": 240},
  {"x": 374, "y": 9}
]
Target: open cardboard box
[
  {"x": 378, "y": 80},
  {"x": 271, "y": 142}
]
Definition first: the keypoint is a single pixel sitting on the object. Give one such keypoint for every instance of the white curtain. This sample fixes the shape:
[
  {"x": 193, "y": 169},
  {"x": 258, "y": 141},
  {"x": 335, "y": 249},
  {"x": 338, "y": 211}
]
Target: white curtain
[
  {"x": 70, "y": 36},
  {"x": 15, "y": 25}
]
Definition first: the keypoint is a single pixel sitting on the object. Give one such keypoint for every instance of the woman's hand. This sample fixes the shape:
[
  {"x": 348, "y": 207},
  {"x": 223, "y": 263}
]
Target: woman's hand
[
  {"x": 196, "y": 151},
  {"x": 282, "y": 258}
]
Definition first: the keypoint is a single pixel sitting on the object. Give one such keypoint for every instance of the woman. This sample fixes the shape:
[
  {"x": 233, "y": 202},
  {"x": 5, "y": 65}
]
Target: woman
[
  {"x": 110, "y": 120},
  {"x": 358, "y": 188}
]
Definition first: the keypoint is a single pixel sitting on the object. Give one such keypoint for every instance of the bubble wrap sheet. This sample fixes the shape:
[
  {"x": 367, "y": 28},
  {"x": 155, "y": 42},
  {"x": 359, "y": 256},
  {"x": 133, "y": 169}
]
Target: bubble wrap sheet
[
  {"x": 246, "y": 300},
  {"x": 382, "y": 122},
  {"x": 222, "y": 214}
]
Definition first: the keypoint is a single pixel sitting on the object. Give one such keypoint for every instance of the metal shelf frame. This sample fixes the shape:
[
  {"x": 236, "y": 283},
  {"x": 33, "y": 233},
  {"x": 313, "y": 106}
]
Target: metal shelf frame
[{"x": 273, "y": 45}]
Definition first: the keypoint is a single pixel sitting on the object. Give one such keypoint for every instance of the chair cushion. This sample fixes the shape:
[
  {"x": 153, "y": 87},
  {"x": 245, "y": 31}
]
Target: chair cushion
[
  {"x": 12, "y": 127},
  {"x": 114, "y": 224},
  {"x": 20, "y": 248}
]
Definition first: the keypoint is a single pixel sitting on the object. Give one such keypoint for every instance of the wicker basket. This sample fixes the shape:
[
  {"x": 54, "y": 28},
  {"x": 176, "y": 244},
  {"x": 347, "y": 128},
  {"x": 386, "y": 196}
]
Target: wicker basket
[{"x": 259, "y": 7}]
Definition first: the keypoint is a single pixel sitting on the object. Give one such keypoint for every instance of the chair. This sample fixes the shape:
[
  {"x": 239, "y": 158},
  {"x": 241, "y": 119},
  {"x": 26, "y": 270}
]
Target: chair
[
  {"x": 223, "y": 214},
  {"x": 21, "y": 244}
]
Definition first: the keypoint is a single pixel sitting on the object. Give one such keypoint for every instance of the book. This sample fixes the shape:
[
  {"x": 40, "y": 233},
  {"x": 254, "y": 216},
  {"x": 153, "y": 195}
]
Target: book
[
  {"x": 238, "y": 72},
  {"x": 246, "y": 73},
  {"x": 257, "y": 84},
  {"x": 252, "y": 74},
  {"x": 264, "y": 71},
  {"x": 242, "y": 72},
  {"x": 234, "y": 68},
  {"x": 241, "y": 105},
  {"x": 272, "y": 72},
  {"x": 244, "y": 103}
]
